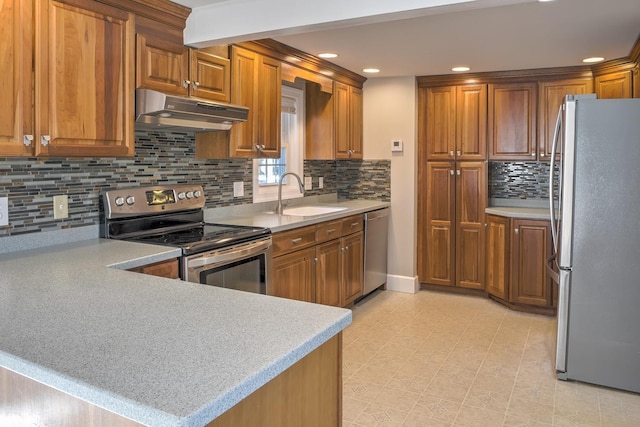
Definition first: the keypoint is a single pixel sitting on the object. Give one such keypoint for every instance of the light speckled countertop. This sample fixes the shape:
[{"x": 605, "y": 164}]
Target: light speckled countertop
[
  {"x": 159, "y": 351},
  {"x": 287, "y": 222},
  {"x": 524, "y": 209}
]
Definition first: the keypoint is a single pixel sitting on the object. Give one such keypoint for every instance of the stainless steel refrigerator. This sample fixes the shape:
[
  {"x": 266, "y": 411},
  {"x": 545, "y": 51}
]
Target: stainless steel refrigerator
[{"x": 596, "y": 232}]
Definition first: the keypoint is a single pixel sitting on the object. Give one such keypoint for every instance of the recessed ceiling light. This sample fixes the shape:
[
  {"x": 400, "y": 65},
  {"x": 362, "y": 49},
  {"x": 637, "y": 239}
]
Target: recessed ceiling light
[
  {"x": 328, "y": 55},
  {"x": 593, "y": 59},
  {"x": 371, "y": 70},
  {"x": 460, "y": 69}
]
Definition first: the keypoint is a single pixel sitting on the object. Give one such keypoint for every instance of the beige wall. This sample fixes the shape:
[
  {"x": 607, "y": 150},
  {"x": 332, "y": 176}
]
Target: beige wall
[{"x": 389, "y": 114}]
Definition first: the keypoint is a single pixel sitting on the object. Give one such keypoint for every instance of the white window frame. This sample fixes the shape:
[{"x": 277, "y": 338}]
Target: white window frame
[{"x": 295, "y": 153}]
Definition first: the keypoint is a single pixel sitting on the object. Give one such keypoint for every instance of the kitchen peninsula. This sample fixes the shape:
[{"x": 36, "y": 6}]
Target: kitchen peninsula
[{"x": 79, "y": 330}]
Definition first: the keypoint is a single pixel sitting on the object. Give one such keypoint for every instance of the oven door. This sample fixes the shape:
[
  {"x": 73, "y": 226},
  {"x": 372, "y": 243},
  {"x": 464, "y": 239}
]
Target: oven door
[{"x": 245, "y": 266}]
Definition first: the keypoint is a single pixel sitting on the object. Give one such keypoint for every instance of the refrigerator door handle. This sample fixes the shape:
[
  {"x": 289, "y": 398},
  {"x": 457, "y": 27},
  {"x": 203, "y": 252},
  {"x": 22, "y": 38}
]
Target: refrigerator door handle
[
  {"x": 550, "y": 271},
  {"x": 552, "y": 207},
  {"x": 563, "y": 279}
]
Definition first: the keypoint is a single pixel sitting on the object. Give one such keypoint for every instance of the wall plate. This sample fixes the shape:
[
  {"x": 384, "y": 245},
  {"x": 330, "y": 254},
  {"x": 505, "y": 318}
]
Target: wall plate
[{"x": 60, "y": 207}]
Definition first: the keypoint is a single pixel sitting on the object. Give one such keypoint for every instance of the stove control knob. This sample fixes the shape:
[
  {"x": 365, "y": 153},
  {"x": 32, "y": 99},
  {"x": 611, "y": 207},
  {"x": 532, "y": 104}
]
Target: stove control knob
[
  {"x": 181, "y": 195},
  {"x": 197, "y": 193},
  {"x": 131, "y": 200},
  {"x": 119, "y": 201},
  {"x": 189, "y": 194}
]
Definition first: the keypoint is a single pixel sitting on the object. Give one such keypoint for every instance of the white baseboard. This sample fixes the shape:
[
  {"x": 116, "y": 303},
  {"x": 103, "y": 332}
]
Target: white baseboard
[{"x": 409, "y": 285}]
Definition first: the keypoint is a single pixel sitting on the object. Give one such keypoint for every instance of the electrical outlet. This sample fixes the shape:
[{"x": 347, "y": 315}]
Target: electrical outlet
[
  {"x": 308, "y": 183},
  {"x": 4, "y": 211},
  {"x": 60, "y": 207},
  {"x": 321, "y": 182},
  {"x": 238, "y": 189}
]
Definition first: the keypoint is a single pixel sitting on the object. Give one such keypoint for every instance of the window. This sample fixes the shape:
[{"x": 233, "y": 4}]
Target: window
[{"x": 267, "y": 172}]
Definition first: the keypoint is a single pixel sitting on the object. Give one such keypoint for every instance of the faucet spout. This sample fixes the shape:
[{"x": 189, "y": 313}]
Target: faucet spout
[{"x": 279, "y": 207}]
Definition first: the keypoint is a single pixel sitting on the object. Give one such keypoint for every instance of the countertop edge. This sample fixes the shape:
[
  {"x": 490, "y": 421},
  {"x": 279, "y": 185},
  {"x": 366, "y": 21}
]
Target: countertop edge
[{"x": 519, "y": 212}]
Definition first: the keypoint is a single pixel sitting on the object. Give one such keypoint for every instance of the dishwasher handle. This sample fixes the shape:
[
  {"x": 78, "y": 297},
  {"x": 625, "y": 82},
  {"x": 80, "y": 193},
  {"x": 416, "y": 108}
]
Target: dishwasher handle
[{"x": 375, "y": 215}]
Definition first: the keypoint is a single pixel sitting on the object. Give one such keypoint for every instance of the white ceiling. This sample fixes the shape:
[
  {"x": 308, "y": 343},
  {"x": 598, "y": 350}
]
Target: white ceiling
[{"x": 487, "y": 35}]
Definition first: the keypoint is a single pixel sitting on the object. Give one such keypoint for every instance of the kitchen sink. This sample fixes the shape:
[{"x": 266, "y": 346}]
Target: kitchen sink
[{"x": 311, "y": 210}]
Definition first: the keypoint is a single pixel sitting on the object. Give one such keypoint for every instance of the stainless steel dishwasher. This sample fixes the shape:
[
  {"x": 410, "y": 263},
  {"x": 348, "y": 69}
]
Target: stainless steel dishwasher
[{"x": 376, "y": 240}]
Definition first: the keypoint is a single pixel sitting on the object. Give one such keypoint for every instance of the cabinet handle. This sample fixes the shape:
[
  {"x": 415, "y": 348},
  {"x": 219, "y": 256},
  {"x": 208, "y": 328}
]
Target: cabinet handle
[
  {"x": 295, "y": 241},
  {"x": 259, "y": 147},
  {"x": 533, "y": 154},
  {"x": 486, "y": 226},
  {"x": 186, "y": 83},
  {"x": 315, "y": 260},
  {"x": 195, "y": 85},
  {"x": 44, "y": 140},
  {"x": 541, "y": 154},
  {"x": 459, "y": 153},
  {"x": 330, "y": 231},
  {"x": 451, "y": 172},
  {"x": 27, "y": 140},
  {"x": 262, "y": 147},
  {"x": 516, "y": 231},
  {"x": 458, "y": 172},
  {"x": 354, "y": 224}
]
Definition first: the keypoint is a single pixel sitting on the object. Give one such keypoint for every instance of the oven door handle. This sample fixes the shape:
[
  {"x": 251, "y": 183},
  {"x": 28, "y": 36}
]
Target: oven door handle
[{"x": 230, "y": 254}]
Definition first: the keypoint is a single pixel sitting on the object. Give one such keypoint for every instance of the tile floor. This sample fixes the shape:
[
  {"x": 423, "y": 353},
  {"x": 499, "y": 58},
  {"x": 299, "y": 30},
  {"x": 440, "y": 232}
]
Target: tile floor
[{"x": 439, "y": 359}]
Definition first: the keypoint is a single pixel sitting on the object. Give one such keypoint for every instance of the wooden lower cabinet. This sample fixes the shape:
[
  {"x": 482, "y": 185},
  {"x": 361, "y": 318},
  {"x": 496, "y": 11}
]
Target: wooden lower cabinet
[
  {"x": 293, "y": 275},
  {"x": 168, "y": 269},
  {"x": 309, "y": 394},
  {"x": 327, "y": 269},
  {"x": 517, "y": 250}
]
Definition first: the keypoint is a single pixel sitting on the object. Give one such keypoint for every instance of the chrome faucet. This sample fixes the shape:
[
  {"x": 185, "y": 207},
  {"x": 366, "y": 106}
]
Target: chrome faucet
[{"x": 279, "y": 207}]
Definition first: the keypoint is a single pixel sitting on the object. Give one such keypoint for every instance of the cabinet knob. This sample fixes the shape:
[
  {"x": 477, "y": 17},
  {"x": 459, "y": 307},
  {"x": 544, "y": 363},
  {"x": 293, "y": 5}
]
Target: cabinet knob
[
  {"x": 186, "y": 83},
  {"x": 541, "y": 154},
  {"x": 458, "y": 172},
  {"x": 516, "y": 231},
  {"x": 486, "y": 225},
  {"x": 533, "y": 154},
  {"x": 451, "y": 172},
  {"x": 27, "y": 140},
  {"x": 451, "y": 153},
  {"x": 44, "y": 140},
  {"x": 459, "y": 153}
]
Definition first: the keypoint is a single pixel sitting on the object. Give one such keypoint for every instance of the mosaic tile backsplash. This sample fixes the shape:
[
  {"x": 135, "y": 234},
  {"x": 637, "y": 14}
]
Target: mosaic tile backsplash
[
  {"x": 519, "y": 180},
  {"x": 161, "y": 158}
]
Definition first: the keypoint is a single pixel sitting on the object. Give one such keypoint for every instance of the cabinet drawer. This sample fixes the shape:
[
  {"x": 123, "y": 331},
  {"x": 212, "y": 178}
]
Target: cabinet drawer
[
  {"x": 328, "y": 230},
  {"x": 352, "y": 224},
  {"x": 292, "y": 240}
]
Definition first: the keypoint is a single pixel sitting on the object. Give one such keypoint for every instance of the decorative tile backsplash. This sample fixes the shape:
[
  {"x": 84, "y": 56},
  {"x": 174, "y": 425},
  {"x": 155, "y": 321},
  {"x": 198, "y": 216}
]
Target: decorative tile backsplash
[
  {"x": 519, "y": 180},
  {"x": 161, "y": 158},
  {"x": 364, "y": 179}
]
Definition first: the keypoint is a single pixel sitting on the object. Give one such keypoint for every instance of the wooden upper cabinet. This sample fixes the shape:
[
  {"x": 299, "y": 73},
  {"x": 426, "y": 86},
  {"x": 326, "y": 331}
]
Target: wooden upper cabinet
[
  {"x": 84, "y": 79},
  {"x": 471, "y": 122},
  {"x": 512, "y": 121},
  {"x": 178, "y": 70},
  {"x": 456, "y": 122},
  {"x": 256, "y": 83},
  {"x": 636, "y": 81},
  {"x": 614, "y": 85},
  {"x": 347, "y": 122},
  {"x": 16, "y": 83},
  {"x": 552, "y": 94}
]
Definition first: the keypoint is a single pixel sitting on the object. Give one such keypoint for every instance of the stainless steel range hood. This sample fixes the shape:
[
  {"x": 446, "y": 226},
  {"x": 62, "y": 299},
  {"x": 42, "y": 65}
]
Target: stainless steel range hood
[{"x": 158, "y": 111}]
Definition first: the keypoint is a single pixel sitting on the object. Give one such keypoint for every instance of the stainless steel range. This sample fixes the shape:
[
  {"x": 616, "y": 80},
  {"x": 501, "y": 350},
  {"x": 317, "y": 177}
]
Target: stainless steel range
[{"x": 236, "y": 257}]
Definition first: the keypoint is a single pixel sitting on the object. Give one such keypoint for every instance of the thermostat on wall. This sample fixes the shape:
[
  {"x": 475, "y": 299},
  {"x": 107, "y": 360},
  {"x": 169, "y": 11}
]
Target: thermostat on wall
[{"x": 397, "y": 145}]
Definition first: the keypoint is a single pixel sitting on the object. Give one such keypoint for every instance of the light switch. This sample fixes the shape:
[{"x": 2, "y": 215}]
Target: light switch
[
  {"x": 308, "y": 184},
  {"x": 238, "y": 189},
  {"x": 4, "y": 211},
  {"x": 60, "y": 207}
]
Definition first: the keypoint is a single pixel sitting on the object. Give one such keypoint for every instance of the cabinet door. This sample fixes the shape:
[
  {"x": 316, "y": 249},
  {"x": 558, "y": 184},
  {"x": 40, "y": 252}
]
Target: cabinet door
[
  {"x": 512, "y": 121},
  {"x": 355, "y": 122},
  {"x": 293, "y": 276},
  {"x": 436, "y": 256},
  {"x": 243, "y": 87},
  {"x": 497, "y": 272},
  {"x": 341, "y": 134},
  {"x": 551, "y": 96},
  {"x": 531, "y": 246},
  {"x": 269, "y": 105},
  {"x": 162, "y": 66},
  {"x": 471, "y": 122},
  {"x": 471, "y": 201},
  {"x": 352, "y": 267},
  {"x": 328, "y": 273},
  {"x": 614, "y": 85},
  {"x": 85, "y": 80},
  {"x": 440, "y": 123},
  {"x": 210, "y": 76},
  {"x": 16, "y": 82}
]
